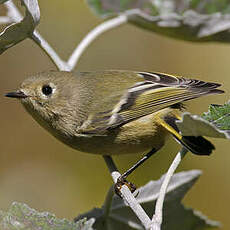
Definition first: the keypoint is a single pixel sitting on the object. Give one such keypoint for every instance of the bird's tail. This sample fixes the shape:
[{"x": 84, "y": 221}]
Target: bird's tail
[{"x": 197, "y": 145}]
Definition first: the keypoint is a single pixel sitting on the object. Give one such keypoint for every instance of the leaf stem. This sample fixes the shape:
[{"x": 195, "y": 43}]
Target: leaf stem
[
  {"x": 5, "y": 20},
  {"x": 53, "y": 56},
  {"x": 157, "y": 217},
  {"x": 92, "y": 35},
  {"x": 13, "y": 12},
  {"x": 15, "y": 15}
]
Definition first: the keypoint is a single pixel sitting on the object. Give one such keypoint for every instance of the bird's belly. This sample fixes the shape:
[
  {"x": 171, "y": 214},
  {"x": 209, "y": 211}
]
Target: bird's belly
[{"x": 138, "y": 136}]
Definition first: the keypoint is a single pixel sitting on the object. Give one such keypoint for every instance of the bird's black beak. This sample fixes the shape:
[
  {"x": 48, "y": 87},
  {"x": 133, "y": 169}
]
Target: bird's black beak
[{"x": 17, "y": 94}]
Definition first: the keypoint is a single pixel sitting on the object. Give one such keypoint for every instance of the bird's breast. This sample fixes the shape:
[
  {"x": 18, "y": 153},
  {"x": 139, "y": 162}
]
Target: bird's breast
[{"x": 138, "y": 136}]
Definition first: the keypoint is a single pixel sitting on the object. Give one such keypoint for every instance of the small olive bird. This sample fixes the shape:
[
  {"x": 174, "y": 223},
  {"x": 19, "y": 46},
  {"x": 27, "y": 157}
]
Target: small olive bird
[{"x": 113, "y": 112}]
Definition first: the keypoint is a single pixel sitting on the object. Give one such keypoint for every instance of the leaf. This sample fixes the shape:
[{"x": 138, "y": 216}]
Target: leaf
[
  {"x": 176, "y": 216},
  {"x": 2, "y": 1},
  {"x": 219, "y": 115},
  {"x": 190, "y": 20},
  {"x": 21, "y": 217},
  {"x": 214, "y": 123},
  {"x": 17, "y": 32},
  {"x": 154, "y": 8}
]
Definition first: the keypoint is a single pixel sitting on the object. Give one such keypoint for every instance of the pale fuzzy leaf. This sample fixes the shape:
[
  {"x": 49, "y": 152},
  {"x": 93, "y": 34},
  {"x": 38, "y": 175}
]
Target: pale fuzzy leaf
[
  {"x": 176, "y": 216},
  {"x": 21, "y": 217},
  {"x": 19, "y": 31},
  {"x": 187, "y": 20},
  {"x": 193, "y": 125},
  {"x": 157, "y": 7}
]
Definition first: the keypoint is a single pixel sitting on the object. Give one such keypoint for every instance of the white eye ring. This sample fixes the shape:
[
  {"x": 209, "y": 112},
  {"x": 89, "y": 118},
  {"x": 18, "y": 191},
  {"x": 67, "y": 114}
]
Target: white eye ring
[{"x": 48, "y": 90}]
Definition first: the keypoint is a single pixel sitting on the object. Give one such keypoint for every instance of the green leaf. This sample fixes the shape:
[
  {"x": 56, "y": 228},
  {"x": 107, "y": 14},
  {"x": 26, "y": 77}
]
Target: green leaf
[
  {"x": 176, "y": 216},
  {"x": 190, "y": 20},
  {"x": 21, "y": 217},
  {"x": 214, "y": 123},
  {"x": 2, "y": 1},
  {"x": 17, "y": 32},
  {"x": 219, "y": 115}
]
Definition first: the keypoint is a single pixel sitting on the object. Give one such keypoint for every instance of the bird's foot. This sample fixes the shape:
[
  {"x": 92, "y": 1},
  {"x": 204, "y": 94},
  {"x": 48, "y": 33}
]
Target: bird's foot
[{"x": 122, "y": 181}]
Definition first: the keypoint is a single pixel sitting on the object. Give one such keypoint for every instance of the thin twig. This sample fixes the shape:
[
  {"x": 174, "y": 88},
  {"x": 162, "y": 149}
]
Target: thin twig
[
  {"x": 157, "y": 217},
  {"x": 92, "y": 35},
  {"x": 16, "y": 16},
  {"x": 5, "y": 20},
  {"x": 13, "y": 12},
  {"x": 54, "y": 57},
  {"x": 128, "y": 196}
]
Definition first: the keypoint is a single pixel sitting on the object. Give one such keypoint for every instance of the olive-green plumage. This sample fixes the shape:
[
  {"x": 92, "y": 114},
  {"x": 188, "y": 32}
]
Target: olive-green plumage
[{"x": 112, "y": 112}]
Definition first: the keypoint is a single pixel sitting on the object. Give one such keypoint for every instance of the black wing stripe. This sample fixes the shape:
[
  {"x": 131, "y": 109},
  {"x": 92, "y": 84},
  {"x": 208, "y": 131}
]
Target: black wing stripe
[{"x": 168, "y": 80}]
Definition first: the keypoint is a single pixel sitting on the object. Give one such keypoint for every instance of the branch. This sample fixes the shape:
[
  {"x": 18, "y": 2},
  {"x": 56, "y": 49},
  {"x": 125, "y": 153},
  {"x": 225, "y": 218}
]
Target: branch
[
  {"x": 157, "y": 217},
  {"x": 92, "y": 35},
  {"x": 127, "y": 195},
  {"x": 5, "y": 20},
  {"x": 53, "y": 56},
  {"x": 13, "y": 12},
  {"x": 155, "y": 223},
  {"x": 15, "y": 16}
]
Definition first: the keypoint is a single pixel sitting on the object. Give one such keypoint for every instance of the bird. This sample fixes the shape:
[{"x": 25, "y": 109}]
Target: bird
[{"x": 114, "y": 112}]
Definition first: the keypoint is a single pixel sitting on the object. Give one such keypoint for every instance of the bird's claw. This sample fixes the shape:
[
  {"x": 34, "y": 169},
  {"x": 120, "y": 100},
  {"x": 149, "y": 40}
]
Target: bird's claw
[{"x": 122, "y": 181}]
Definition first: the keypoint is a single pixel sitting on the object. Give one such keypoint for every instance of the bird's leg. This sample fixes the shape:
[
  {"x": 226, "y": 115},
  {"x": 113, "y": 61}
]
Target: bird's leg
[
  {"x": 140, "y": 162},
  {"x": 122, "y": 179}
]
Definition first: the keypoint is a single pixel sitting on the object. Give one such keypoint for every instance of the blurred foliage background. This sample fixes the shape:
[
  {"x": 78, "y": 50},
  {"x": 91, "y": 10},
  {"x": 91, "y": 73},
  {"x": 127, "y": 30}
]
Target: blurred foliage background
[{"x": 38, "y": 170}]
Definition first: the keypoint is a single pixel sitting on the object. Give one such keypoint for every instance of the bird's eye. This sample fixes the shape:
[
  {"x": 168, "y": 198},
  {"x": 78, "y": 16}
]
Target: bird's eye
[{"x": 47, "y": 90}]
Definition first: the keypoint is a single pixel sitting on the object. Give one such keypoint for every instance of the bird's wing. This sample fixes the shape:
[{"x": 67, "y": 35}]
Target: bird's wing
[{"x": 155, "y": 92}]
